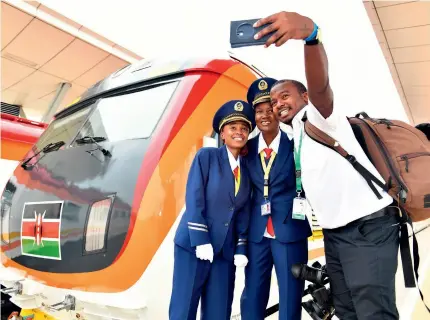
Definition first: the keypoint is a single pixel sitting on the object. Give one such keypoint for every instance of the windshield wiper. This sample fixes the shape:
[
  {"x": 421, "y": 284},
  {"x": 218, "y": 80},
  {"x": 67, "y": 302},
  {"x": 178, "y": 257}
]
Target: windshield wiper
[
  {"x": 89, "y": 139},
  {"x": 53, "y": 146}
]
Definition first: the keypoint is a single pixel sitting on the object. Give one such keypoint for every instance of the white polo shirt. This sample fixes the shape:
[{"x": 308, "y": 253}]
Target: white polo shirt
[{"x": 337, "y": 193}]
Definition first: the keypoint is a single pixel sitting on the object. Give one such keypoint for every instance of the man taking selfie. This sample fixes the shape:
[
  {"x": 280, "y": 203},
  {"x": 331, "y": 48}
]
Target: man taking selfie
[{"x": 361, "y": 232}]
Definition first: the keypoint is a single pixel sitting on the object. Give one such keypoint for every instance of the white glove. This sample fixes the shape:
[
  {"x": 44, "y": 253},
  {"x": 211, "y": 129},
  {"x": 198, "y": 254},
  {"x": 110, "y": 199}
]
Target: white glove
[
  {"x": 240, "y": 260},
  {"x": 205, "y": 252}
]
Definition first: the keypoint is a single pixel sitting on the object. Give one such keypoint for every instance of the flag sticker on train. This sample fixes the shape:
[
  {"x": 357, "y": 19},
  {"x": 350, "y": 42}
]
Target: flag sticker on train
[{"x": 41, "y": 229}]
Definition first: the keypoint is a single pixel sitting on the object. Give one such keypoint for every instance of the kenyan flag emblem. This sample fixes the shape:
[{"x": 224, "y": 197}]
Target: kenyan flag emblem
[{"x": 40, "y": 229}]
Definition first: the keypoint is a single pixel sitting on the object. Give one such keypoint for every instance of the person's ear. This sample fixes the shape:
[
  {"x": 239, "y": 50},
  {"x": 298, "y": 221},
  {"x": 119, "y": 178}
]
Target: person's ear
[
  {"x": 305, "y": 97},
  {"x": 222, "y": 134}
]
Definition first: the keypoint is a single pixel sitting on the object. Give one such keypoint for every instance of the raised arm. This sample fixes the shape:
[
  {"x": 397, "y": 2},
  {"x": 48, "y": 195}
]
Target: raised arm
[{"x": 291, "y": 25}]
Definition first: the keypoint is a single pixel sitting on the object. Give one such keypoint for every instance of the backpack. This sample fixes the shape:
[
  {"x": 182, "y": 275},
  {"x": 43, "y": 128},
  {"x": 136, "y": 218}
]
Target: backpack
[
  {"x": 401, "y": 155},
  {"x": 399, "y": 152}
]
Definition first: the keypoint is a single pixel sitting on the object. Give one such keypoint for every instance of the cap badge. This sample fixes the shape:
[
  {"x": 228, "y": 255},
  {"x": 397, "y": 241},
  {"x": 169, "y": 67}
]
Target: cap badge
[
  {"x": 262, "y": 85},
  {"x": 238, "y": 106}
]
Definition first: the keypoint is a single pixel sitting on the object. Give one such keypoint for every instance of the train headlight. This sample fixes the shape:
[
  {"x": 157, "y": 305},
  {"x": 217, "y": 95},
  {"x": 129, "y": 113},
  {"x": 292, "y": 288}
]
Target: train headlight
[
  {"x": 96, "y": 228},
  {"x": 5, "y": 214}
]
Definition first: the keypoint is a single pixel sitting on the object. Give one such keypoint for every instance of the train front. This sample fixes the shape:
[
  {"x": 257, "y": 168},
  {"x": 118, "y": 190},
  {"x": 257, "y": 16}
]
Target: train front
[{"x": 88, "y": 216}]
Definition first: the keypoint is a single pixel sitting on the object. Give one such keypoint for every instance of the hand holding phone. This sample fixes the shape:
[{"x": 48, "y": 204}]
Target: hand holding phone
[
  {"x": 242, "y": 33},
  {"x": 275, "y": 29}
]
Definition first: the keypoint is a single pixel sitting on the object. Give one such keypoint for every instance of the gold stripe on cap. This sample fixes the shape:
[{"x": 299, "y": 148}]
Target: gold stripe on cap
[
  {"x": 261, "y": 99},
  {"x": 234, "y": 118}
]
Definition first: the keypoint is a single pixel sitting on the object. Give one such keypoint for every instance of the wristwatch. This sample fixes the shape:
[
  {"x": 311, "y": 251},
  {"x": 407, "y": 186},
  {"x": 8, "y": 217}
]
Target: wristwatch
[{"x": 316, "y": 39}]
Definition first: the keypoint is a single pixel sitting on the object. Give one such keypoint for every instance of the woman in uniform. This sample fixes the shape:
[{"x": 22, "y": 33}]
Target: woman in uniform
[
  {"x": 277, "y": 237},
  {"x": 211, "y": 238}
]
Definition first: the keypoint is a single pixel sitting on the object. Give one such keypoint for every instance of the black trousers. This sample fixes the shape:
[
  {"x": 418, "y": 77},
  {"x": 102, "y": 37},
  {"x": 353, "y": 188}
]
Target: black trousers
[{"x": 361, "y": 260}]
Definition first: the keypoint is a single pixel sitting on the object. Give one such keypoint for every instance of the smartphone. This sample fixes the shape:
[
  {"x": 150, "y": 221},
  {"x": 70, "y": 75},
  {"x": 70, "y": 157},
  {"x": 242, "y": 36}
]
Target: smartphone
[{"x": 242, "y": 34}]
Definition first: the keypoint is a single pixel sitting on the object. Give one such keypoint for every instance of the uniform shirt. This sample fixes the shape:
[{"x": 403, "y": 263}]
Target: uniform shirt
[
  {"x": 275, "y": 147},
  {"x": 337, "y": 193},
  {"x": 233, "y": 162}
]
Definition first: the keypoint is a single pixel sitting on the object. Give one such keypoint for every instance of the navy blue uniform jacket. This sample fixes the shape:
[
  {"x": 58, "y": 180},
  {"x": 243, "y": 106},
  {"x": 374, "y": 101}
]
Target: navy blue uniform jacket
[
  {"x": 282, "y": 191},
  {"x": 213, "y": 214}
]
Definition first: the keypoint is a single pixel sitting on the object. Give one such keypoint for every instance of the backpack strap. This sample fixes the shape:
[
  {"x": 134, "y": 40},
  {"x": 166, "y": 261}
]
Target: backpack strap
[
  {"x": 321, "y": 137},
  {"x": 363, "y": 114},
  {"x": 405, "y": 255}
]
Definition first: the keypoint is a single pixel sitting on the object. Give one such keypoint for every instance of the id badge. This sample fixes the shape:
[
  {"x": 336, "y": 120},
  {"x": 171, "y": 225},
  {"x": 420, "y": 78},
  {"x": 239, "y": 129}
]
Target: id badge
[
  {"x": 265, "y": 208},
  {"x": 299, "y": 208}
]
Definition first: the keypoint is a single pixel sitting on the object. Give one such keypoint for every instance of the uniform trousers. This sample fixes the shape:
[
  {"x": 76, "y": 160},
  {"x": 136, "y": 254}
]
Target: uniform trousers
[
  {"x": 262, "y": 257},
  {"x": 195, "y": 279}
]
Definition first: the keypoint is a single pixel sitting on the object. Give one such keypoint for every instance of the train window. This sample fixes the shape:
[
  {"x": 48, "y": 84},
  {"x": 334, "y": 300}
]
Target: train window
[
  {"x": 129, "y": 116},
  {"x": 63, "y": 129}
]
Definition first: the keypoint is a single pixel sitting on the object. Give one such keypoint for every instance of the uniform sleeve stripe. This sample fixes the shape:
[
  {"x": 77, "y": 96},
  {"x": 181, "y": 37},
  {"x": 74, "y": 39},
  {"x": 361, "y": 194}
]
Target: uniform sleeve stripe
[
  {"x": 198, "y": 229},
  {"x": 197, "y": 225},
  {"x": 241, "y": 244}
]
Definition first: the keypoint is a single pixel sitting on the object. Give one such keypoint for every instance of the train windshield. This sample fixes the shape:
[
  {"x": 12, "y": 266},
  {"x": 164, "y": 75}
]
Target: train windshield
[
  {"x": 128, "y": 116},
  {"x": 122, "y": 117},
  {"x": 63, "y": 129}
]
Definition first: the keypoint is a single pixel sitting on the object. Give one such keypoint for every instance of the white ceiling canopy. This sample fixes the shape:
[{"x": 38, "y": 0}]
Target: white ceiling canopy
[
  {"x": 40, "y": 49},
  {"x": 403, "y": 32}
]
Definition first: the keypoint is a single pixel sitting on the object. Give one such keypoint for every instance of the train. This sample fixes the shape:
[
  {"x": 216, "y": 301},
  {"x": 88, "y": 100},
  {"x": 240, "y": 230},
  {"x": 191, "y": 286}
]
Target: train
[{"x": 91, "y": 205}]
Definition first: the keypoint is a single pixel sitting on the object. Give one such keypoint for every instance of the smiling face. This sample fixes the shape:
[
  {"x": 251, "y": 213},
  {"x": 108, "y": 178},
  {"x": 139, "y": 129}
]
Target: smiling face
[
  {"x": 235, "y": 134},
  {"x": 287, "y": 101},
  {"x": 265, "y": 118}
]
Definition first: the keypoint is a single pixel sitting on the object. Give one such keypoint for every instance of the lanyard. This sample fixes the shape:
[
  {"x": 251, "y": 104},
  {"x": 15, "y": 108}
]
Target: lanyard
[
  {"x": 297, "y": 162},
  {"x": 237, "y": 183},
  {"x": 266, "y": 170}
]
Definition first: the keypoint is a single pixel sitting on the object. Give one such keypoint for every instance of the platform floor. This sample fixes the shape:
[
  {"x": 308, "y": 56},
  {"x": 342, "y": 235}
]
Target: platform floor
[{"x": 409, "y": 302}]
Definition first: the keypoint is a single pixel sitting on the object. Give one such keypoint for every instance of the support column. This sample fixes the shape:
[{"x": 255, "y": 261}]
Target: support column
[{"x": 55, "y": 103}]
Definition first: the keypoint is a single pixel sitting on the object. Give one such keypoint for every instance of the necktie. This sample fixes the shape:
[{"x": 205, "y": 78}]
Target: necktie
[
  {"x": 270, "y": 230},
  {"x": 236, "y": 182},
  {"x": 268, "y": 152},
  {"x": 236, "y": 172}
]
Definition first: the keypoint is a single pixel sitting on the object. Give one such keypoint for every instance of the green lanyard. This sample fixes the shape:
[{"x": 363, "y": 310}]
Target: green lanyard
[{"x": 298, "y": 165}]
